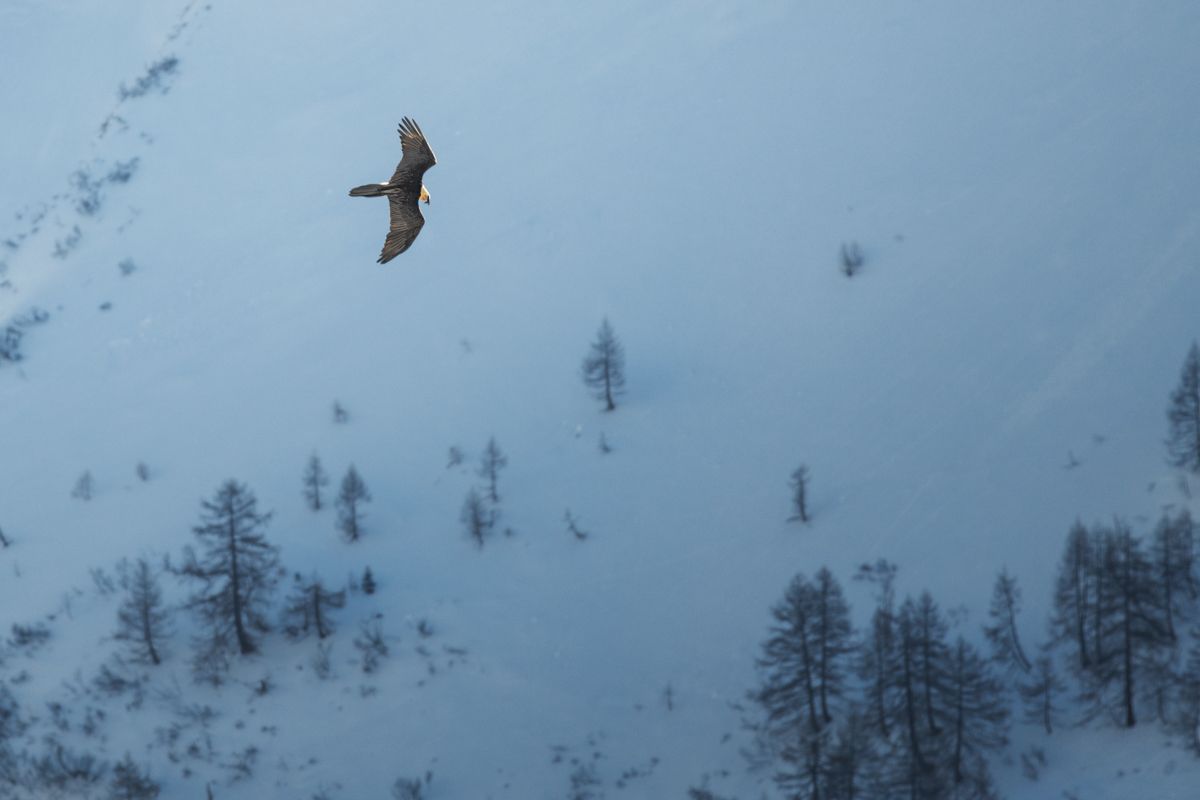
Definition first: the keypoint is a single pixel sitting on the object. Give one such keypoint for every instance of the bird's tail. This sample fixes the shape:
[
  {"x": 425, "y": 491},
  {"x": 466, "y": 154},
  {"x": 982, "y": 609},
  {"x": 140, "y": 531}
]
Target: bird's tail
[{"x": 370, "y": 190}]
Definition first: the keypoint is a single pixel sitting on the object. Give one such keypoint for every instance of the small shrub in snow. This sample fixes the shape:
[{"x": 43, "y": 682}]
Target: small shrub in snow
[
  {"x": 340, "y": 414},
  {"x": 573, "y": 526},
  {"x": 64, "y": 771},
  {"x": 64, "y": 246},
  {"x": 702, "y": 794},
  {"x": 241, "y": 764},
  {"x": 88, "y": 200},
  {"x": 1032, "y": 762},
  {"x": 10, "y": 343},
  {"x": 408, "y": 789},
  {"x": 371, "y": 645},
  {"x": 322, "y": 663},
  {"x": 122, "y": 171},
  {"x": 490, "y": 465},
  {"x": 368, "y": 581},
  {"x": 93, "y": 718},
  {"x": 851, "y": 259},
  {"x": 210, "y": 659},
  {"x": 156, "y": 78},
  {"x": 111, "y": 681},
  {"x": 129, "y": 782},
  {"x": 31, "y": 636},
  {"x": 104, "y": 583},
  {"x": 12, "y": 334},
  {"x": 585, "y": 784},
  {"x": 84, "y": 487},
  {"x": 475, "y": 517},
  {"x": 58, "y": 716}
]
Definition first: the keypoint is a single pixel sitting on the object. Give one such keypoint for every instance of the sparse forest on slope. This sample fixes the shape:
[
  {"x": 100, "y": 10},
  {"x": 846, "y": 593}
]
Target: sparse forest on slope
[{"x": 717, "y": 440}]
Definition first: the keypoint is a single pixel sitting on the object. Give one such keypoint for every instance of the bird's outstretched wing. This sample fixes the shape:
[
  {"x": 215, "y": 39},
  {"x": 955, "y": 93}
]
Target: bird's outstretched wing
[
  {"x": 406, "y": 224},
  {"x": 418, "y": 155}
]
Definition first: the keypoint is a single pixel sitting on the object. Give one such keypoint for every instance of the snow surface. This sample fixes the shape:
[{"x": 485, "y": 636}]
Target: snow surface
[{"x": 1021, "y": 177}]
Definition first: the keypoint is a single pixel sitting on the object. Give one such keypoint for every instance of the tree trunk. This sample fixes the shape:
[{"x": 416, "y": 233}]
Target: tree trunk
[
  {"x": 148, "y": 631},
  {"x": 608, "y": 398},
  {"x": 245, "y": 645},
  {"x": 1130, "y": 720}
]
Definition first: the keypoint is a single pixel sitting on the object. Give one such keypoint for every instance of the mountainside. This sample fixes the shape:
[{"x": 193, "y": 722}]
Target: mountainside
[{"x": 1022, "y": 183}]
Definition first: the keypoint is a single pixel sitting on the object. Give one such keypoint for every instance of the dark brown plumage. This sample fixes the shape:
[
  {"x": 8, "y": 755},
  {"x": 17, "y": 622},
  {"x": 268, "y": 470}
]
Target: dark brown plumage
[{"x": 403, "y": 191}]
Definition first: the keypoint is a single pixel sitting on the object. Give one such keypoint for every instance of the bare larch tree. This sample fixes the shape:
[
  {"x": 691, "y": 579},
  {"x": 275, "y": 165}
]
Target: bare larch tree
[
  {"x": 237, "y": 570},
  {"x": 604, "y": 367}
]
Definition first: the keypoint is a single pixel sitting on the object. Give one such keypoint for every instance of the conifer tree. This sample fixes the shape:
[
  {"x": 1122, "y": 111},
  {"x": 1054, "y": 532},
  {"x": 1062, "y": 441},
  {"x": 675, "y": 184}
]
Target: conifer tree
[
  {"x": 310, "y": 607},
  {"x": 849, "y": 767},
  {"x": 878, "y": 652},
  {"x": 1130, "y": 628},
  {"x": 1040, "y": 694},
  {"x": 1071, "y": 596},
  {"x": 604, "y": 367},
  {"x": 1172, "y": 552},
  {"x": 368, "y": 581},
  {"x": 237, "y": 573},
  {"x": 1186, "y": 719},
  {"x": 142, "y": 619},
  {"x": 978, "y": 715},
  {"x": 1001, "y": 630},
  {"x": 911, "y": 768},
  {"x": 932, "y": 654},
  {"x": 349, "y": 503},
  {"x": 315, "y": 480},
  {"x": 804, "y": 662},
  {"x": 799, "y": 486},
  {"x": 1183, "y": 415}
]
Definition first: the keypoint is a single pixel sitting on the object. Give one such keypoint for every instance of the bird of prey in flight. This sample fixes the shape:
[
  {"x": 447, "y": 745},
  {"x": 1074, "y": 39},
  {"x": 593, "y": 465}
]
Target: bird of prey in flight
[{"x": 403, "y": 191}]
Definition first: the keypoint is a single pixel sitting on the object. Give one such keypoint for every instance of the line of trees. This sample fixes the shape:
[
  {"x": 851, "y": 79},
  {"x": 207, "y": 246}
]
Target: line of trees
[
  {"x": 234, "y": 571},
  {"x": 480, "y": 513},
  {"x": 901, "y": 711},
  {"x": 909, "y": 709},
  {"x": 352, "y": 495},
  {"x": 1120, "y": 611}
]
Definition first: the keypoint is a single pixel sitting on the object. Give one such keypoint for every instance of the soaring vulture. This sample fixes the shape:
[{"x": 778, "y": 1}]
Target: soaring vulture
[{"x": 403, "y": 191}]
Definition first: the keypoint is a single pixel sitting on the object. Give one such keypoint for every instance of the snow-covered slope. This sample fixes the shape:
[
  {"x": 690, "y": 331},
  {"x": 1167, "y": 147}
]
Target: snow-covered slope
[{"x": 1022, "y": 180}]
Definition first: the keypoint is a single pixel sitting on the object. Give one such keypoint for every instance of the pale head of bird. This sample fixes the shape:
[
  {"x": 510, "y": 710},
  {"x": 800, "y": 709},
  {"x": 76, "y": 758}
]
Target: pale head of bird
[{"x": 424, "y": 197}]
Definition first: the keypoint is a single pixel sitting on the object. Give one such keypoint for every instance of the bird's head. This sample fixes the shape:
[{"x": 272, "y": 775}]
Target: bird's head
[{"x": 424, "y": 195}]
